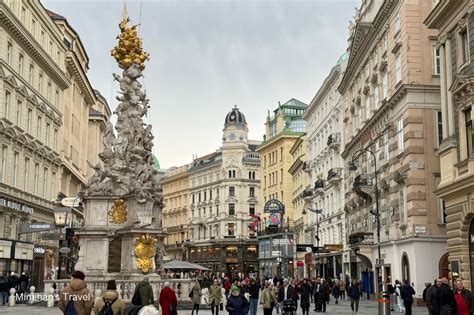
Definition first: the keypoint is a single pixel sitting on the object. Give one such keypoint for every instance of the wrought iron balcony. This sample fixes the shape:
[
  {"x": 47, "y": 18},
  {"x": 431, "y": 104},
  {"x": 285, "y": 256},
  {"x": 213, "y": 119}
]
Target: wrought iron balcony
[
  {"x": 362, "y": 180},
  {"x": 335, "y": 174},
  {"x": 334, "y": 139},
  {"x": 319, "y": 186},
  {"x": 360, "y": 238},
  {"x": 307, "y": 193}
]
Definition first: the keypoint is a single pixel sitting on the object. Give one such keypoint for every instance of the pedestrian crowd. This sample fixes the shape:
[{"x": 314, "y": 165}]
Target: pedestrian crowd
[
  {"x": 12, "y": 281},
  {"x": 243, "y": 296}
]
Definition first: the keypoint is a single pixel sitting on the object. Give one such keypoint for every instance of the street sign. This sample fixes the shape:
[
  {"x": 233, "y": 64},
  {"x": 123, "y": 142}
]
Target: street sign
[
  {"x": 281, "y": 241},
  {"x": 64, "y": 250},
  {"x": 318, "y": 249},
  {"x": 275, "y": 253},
  {"x": 34, "y": 227},
  {"x": 52, "y": 236},
  {"x": 304, "y": 248},
  {"x": 71, "y": 201}
]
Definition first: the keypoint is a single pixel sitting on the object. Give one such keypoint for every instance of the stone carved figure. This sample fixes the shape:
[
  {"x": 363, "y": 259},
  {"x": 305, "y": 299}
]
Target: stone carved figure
[{"x": 127, "y": 155}]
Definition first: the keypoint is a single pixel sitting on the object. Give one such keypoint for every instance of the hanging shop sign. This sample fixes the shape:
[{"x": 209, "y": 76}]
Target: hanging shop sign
[
  {"x": 274, "y": 205},
  {"x": 39, "y": 250},
  {"x": 35, "y": 227},
  {"x": 20, "y": 207}
]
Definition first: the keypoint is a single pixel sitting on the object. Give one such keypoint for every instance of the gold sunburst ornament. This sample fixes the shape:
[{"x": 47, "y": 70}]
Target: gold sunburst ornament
[
  {"x": 129, "y": 49},
  {"x": 118, "y": 212},
  {"x": 145, "y": 250}
]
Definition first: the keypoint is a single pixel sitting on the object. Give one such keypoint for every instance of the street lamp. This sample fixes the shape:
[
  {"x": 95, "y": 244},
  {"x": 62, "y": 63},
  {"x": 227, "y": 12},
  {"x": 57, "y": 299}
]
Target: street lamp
[
  {"x": 318, "y": 212},
  {"x": 61, "y": 216},
  {"x": 352, "y": 167}
]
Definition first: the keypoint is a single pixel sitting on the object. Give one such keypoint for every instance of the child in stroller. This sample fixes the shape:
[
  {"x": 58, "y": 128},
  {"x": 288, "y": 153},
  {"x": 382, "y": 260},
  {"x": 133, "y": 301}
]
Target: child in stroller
[{"x": 289, "y": 307}]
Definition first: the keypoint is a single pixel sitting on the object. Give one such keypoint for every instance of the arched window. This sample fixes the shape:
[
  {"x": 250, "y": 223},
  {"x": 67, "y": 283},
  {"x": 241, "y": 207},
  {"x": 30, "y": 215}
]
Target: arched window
[{"x": 405, "y": 268}]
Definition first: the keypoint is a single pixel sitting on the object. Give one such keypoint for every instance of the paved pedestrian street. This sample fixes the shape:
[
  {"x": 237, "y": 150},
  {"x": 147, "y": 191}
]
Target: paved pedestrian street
[{"x": 366, "y": 308}]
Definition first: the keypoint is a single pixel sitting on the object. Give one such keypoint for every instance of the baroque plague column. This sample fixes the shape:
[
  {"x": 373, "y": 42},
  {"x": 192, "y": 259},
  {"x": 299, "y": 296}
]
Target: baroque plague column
[{"x": 122, "y": 237}]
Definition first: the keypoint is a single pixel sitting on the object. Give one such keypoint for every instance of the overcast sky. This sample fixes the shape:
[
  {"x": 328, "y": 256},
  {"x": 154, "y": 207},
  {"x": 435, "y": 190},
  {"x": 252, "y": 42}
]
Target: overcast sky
[{"x": 207, "y": 56}]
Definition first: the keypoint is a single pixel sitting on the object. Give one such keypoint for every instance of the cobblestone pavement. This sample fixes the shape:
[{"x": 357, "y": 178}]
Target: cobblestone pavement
[{"x": 366, "y": 308}]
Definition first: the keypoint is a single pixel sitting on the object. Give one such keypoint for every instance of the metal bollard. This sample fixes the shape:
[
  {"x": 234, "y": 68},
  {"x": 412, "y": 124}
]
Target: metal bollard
[
  {"x": 12, "y": 297},
  {"x": 384, "y": 303},
  {"x": 50, "y": 297},
  {"x": 32, "y": 295}
]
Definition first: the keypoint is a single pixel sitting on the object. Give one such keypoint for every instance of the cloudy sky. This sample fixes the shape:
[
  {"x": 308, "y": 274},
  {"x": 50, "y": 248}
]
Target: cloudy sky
[{"x": 207, "y": 56}]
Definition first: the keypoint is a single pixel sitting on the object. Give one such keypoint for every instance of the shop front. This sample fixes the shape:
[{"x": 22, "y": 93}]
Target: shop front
[{"x": 16, "y": 256}]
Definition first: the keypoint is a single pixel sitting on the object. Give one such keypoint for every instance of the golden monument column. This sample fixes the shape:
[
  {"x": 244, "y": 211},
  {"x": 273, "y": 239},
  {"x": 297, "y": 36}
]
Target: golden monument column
[{"x": 122, "y": 236}]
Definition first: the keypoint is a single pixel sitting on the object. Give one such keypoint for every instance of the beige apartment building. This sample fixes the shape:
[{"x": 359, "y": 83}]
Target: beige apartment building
[
  {"x": 300, "y": 180},
  {"x": 35, "y": 83},
  {"x": 391, "y": 102},
  {"x": 454, "y": 22},
  {"x": 175, "y": 187}
]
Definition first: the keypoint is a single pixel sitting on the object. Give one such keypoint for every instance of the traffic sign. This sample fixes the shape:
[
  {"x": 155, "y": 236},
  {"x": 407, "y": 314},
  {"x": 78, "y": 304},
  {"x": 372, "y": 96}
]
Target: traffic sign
[{"x": 52, "y": 236}]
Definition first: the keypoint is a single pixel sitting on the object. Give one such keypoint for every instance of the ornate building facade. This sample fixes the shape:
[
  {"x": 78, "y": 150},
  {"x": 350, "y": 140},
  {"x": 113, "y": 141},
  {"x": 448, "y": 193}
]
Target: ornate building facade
[
  {"x": 175, "y": 187},
  {"x": 325, "y": 168},
  {"x": 454, "y": 21},
  {"x": 391, "y": 104},
  {"x": 223, "y": 195}
]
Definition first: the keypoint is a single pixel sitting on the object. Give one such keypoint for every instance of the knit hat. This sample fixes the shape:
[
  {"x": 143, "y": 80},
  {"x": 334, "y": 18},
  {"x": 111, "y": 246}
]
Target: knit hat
[
  {"x": 78, "y": 275},
  {"x": 234, "y": 288},
  {"x": 111, "y": 285}
]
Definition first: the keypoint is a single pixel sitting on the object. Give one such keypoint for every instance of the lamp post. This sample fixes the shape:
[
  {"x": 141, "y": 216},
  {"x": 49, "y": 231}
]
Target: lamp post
[
  {"x": 61, "y": 220},
  {"x": 317, "y": 211},
  {"x": 353, "y": 167}
]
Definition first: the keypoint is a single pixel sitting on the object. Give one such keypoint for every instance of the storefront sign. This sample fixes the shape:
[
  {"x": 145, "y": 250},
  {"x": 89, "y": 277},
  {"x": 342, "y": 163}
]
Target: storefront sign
[
  {"x": 308, "y": 259},
  {"x": 64, "y": 250},
  {"x": 275, "y": 253},
  {"x": 34, "y": 227},
  {"x": 273, "y": 205},
  {"x": 333, "y": 247},
  {"x": 52, "y": 236},
  {"x": 231, "y": 260},
  {"x": 10, "y": 204},
  {"x": 39, "y": 250},
  {"x": 420, "y": 229},
  {"x": 305, "y": 248}
]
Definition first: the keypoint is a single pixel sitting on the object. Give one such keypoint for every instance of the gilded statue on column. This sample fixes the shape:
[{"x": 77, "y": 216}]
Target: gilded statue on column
[
  {"x": 129, "y": 48},
  {"x": 118, "y": 212},
  {"x": 145, "y": 250}
]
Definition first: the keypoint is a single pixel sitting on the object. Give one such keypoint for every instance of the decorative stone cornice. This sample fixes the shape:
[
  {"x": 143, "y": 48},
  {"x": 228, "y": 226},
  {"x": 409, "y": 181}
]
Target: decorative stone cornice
[
  {"x": 75, "y": 68},
  {"x": 13, "y": 25}
]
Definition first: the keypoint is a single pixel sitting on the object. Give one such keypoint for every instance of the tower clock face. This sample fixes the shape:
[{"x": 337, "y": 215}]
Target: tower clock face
[
  {"x": 232, "y": 117},
  {"x": 232, "y": 137}
]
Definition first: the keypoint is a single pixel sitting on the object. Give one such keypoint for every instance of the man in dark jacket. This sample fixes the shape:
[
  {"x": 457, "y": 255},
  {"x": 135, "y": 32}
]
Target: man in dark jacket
[
  {"x": 316, "y": 287},
  {"x": 4, "y": 288},
  {"x": 463, "y": 297},
  {"x": 254, "y": 290},
  {"x": 324, "y": 295},
  {"x": 407, "y": 293},
  {"x": 286, "y": 292},
  {"x": 145, "y": 291},
  {"x": 445, "y": 297},
  {"x": 354, "y": 293},
  {"x": 430, "y": 298}
]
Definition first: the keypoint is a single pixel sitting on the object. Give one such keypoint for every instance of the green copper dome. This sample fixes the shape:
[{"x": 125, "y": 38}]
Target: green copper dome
[{"x": 155, "y": 163}]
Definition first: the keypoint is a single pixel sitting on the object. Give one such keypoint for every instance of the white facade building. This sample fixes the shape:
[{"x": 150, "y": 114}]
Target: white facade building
[
  {"x": 325, "y": 167},
  {"x": 224, "y": 192}
]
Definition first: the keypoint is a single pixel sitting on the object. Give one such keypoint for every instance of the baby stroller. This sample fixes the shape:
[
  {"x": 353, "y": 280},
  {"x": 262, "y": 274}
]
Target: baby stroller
[{"x": 289, "y": 307}]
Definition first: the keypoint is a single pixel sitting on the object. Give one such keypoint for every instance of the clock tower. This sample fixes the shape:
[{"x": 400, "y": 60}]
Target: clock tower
[{"x": 235, "y": 130}]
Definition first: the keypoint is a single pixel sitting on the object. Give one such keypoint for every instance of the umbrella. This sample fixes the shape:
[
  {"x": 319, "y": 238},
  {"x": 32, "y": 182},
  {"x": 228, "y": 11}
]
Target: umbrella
[{"x": 183, "y": 265}]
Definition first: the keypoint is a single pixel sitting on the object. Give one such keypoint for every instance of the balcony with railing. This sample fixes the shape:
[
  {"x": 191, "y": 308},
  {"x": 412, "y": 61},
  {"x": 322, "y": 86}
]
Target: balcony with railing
[
  {"x": 334, "y": 140},
  {"x": 335, "y": 174},
  {"x": 360, "y": 238},
  {"x": 362, "y": 180},
  {"x": 319, "y": 186}
]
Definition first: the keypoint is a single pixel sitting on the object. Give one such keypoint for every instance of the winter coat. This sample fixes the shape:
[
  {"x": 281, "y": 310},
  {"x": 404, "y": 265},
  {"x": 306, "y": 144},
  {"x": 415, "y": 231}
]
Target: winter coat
[
  {"x": 237, "y": 305},
  {"x": 324, "y": 292},
  {"x": 407, "y": 292},
  {"x": 431, "y": 297},
  {"x": 336, "y": 291},
  {"x": 467, "y": 296},
  {"x": 3, "y": 284},
  {"x": 227, "y": 286},
  {"x": 146, "y": 292},
  {"x": 196, "y": 296},
  {"x": 354, "y": 292},
  {"x": 12, "y": 282},
  {"x": 167, "y": 297},
  {"x": 78, "y": 292},
  {"x": 445, "y": 296},
  {"x": 305, "y": 292},
  {"x": 118, "y": 307},
  {"x": 254, "y": 290},
  {"x": 268, "y": 299},
  {"x": 215, "y": 294},
  {"x": 290, "y": 294}
]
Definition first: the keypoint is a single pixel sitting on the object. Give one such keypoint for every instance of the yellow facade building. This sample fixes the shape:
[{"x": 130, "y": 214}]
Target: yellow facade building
[{"x": 175, "y": 213}]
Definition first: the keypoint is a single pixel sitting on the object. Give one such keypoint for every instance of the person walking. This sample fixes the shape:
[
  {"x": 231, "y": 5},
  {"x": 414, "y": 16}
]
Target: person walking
[
  {"x": 324, "y": 291},
  {"x": 445, "y": 302},
  {"x": 406, "y": 293},
  {"x": 227, "y": 285},
  {"x": 430, "y": 299},
  {"x": 317, "y": 302},
  {"x": 391, "y": 290},
  {"x": 76, "y": 295},
  {"x": 253, "y": 290},
  {"x": 305, "y": 293},
  {"x": 400, "y": 307},
  {"x": 110, "y": 301},
  {"x": 286, "y": 292},
  {"x": 268, "y": 299},
  {"x": 4, "y": 288},
  {"x": 353, "y": 293},
  {"x": 342, "y": 289},
  {"x": 195, "y": 295},
  {"x": 168, "y": 301},
  {"x": 336, "y": 291},
  {"x": 237, "y": 304},
  {"x": 464, "y": 301},
  {"x": 215, "y": 297},
  {"x": 145, "y": 292}
]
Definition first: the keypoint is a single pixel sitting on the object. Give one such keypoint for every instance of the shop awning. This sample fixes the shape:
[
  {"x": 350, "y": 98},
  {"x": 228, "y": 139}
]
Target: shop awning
[{"x": 183, "y": 265}]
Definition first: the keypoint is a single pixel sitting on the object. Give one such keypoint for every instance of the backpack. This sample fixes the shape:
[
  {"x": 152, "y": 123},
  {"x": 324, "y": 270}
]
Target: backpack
[
  {"x": 107, "y": 308},
  {"x": 70, "y": 310}
]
